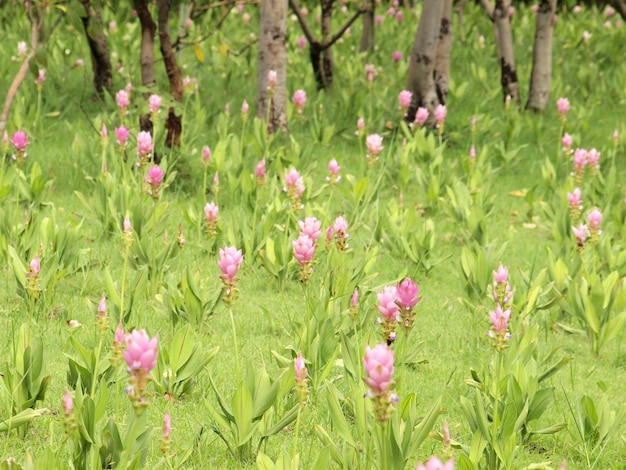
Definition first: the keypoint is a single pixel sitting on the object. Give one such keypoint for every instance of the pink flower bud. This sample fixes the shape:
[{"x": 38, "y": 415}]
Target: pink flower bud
[
  {"x": 230, "y": 261},
  {"x": 210, "y": 212},
  {"x": 303, "y": 249},
  {"x": 19, "y": 139},
  {"x": 35, "y": 267},
  {"x": 562, "y": 106},
  {"x": 122, "y": 99},
  {"x": 311, "y": 227},
  {"x": 374, "y": 144},
  {"x": 396, "y": 56},
  {"x": 407, "y": 294},
  {"x": 421, "y": 116},
  {"x": 154, "y": 103},
  {"x": 387, "y": 305},
  {"x": 121, "y": 135},
  {"x": 68, "y": 403},
  {"x": 119, "y": 334},
  {"x": 259, "y": 171},
  {"x": 301, "y": 42},
  {"x": 141, "y": 351},
  {"x": 299, "y": 100},
  {"x": 245, "y": 107},
  {"x": 404, "y": 100},
  {"x": 300, "y": 367},
  {"x": 102, "y": 305},
  {"x": 378, "y": 363},
  {"x": 206, "y": 154},
  {"x": 354, "y": 301}
]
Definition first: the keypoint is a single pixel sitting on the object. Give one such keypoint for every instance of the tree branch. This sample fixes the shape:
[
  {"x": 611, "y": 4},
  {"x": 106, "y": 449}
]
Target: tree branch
[
  {"x": 343, "y": 29},
  {"x": 489, "y": 9},
  {"x": 305, "y": 27}
]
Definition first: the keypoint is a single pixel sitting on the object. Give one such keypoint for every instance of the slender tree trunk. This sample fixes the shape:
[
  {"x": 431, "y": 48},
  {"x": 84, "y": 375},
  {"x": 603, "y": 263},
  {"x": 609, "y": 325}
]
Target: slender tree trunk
[
  {"x": 173, "y": 123},
  {"x": 367, "y": 36},
  {"x": 148, "y": 80},
  {"x": 504, "y": 37},
  {"x": 620, "y": 7},
  {"x": 273, "y": 56},
  {"x": 444, "y": 46},
  {"x": 328, "y": 63},
  {"x": 98, "y": 47},
  {"x": 539, "y": 92},
  {"x": 421, "y": 80}
]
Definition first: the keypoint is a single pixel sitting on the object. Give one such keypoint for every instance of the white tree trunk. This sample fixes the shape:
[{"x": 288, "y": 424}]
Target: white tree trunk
[
  {"x": 444, "y": 46},
  {"x": 504, "y": 38},
  {"x": 539, "y": 92},
  {"x": 273, "y": 56},
  {"x": 421, "y": 80}
]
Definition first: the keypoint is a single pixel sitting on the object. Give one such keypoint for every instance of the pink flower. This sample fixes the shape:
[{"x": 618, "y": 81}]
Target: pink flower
[
  {"x": 391, "y": 11},
  {"x": 446, "y": 434},
  {"x": 300, "y": 367},
  {"x": 340, "y": 225},
  {"x": 210, "y": 212},
  {"x": 407, "y": 294},
  {"x": 299, "y": 100},
  {"x": 371, "y": 72},
  {"x": 593, "y": 158},
  {"x": 311, "y": 227},
  {"x": 119, "y": 334},
  {"x": 333, "y": 169},
  {"x": 399, "y": 16},
  {"x": 246, "y": 18},
  {"x": 440, "y": 114},
  {"x": 378, "y": 20},
  {"x": 141, "y": 351},
  {"x": 566, "y": 140},
  {"x": 534, "y": 8},
  {"x": 41, "y": 77},
  {"x": 500, "y": 319},
  {"x": 301, "y": 42},
  {"x": 586, "y": 37},
  {"x": 144, "y": 143},
  {"x": 303, "y": 249},
  {"x": 562, "y": 106},
  {"x": 272, "y": 80},
  {"x": 581, "y": 233},
  {"x": 609, "y": 11},
  {"x": 396, "y": 56},
  {"x": 387, "y": 305},
  {"x": 421, "y": 116},
  {"x": 22, "y": 48},
  {"x": 472, "y": 153},
  {"x": 435, "y": 464},
  {"x": 103, "y": 131},
  {"x": 154, "y": 103},
  {"x": 230, "y": 261},
  {"x": 577, "y": 9},
  {"x": 122, "y": 100},
  {"x": 259, "y": 171},
  {"x": 206, "y": 155},
  {"x": 615, "y": 137},
  {"x": 121, "y": 135},
  {"x": 574, "y": 199},
  {"x": 295, "y": 183},
  {"x": 304, "y": 11},
  {"x": 354, "y": 301},
  {"x": 19, "y": 139},
  {"x": 580, "y": 160},
  {"x": 378, "y": 363},
  {"x": 127, "y": 226},
  {"x": 501, "y": 275},
  {"x": 155, "y": 179},
  {"x": 374, "y": 144},
  {"x": 102, "y": 305},
  {"x": 35, "y": 267},
  {"x": 167, "y": 425},
  {"x": 511, "y": 11},
  {"x": 68, "y": 403},
  {"x": 360, "y": 127},
  {"x": 595, "y": 219},
  {"x": 245, "y": 107},
  {"x": 404, "y": 100}
]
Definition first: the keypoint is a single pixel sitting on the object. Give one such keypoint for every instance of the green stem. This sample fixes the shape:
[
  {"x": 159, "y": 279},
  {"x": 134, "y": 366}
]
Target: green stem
[
  {"x": 95, "y": 369},
  {"x": 295, "y": 444},
  {"x": 496, "y": 403},
  {"x": 232, "y": 322},
  {"x": 122, "y": 296}
]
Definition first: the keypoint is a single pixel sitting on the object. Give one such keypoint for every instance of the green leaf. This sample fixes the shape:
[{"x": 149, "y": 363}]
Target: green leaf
[
  {"x": 242, "y": 407},
  {"x": 420, "y": 433},
  {"x": 21, "y": 418},
  {"x": 336, "y": 414}
]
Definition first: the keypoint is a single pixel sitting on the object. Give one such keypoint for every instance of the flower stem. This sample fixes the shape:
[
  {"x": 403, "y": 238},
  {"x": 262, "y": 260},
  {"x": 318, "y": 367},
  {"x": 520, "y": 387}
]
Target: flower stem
[{"x": 232, "y": 322}]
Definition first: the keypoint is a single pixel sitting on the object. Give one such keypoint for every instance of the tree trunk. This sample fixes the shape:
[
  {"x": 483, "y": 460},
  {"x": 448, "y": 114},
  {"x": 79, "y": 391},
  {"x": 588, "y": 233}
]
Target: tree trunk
[
  {"x": 539, "y": 92},
  {"x": 504, "y": 37},
  {"x": 442, "y": 59},
  {"x": 620, "y": 7},
  {"x": 367, "y": 36},
  {"x": 98, "y": 47},
  {"x": 327, "y": 53},
  {"x": 148, "y": 80},
  {"x": 421, "y": 80},
  {"x": 272, "y": 105},
  {"x": 173, "y": 123}
]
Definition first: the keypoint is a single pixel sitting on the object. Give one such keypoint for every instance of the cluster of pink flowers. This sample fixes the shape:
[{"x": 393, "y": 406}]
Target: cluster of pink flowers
[
  {"x": 140, "y": 356},
  {"x": 567, "y": 142},
  {"x": 154, "y": 181},
  {"x": 123, "y": 102},
  {"x": 230, "y": 261},
  {"x": 333, "y": 170},
  {"x": 502, "y": 295},
  {"x": 294, "y": 187},
  {"x": 421, "y": 116},
  {"x": 339, "y": 231},
  {"x": 299, "y": 100},
  {"x": 19, "y": 140},
  {"x": 259, "y": 173},
  {"x": 144, "y": 148},
  {"x": 396, "y": 304},
  {"x": 575, "y": 203},
  {"x": 378, "y": 364},
  {"x": 121, "y": 137},
  {"x": 304, "y": 247},
  {"x": 562, "y": 106},
  {"x": 404, "y": 101},
  {"x": 583, "y": 158}
]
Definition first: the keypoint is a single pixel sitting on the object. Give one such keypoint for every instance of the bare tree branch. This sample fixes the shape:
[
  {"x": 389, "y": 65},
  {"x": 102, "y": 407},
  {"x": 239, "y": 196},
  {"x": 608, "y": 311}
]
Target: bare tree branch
[
  {"x": 305, "y": 27},
  {"x": 343, "y": 29},
  {"x": 489, "y": 9}
]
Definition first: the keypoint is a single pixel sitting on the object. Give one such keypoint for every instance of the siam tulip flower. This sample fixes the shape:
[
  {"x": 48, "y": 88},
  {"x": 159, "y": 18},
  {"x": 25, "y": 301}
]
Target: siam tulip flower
[
  {"x": 69, "y": 421},
  {"x": 303, "y": 251},
  {"x": 333, "y": 169},
  {"x": 501, "y": 275},
  {"x": 211, "y": 212},
  {"x": 123, "y": 102},
  {"x": 329, "y": 237},
  {"x": 586, "y": 37},
  {"x": 435, "y": 464},
  {"x": 154, "y": 104},
  {"x": 581, "y": 232},
  {"x": 421, "y": 116},
  {"x": 374, "y": 144},
  {"x": 378, "y": 364},
  {"x": 272, "y": 81},
  {"x": 311, "y": 227},
  {"x": 391, "y": 11},
  {"x": 155, "y": 180},
  {"x": 447, "y": 441},
  {"x": 121, "y": 137},
  {"x": 440, "y": 116},
  {"x": 140, "y": 356},
  {"x": 144, "y": 148},
  {"x": 575, "y": 203},
  {"x": 299, "y": 100},
  {"x": 593, "y": 160},
  {"x": 399, "y": 16},
  {"x": 472, "y": 154},
  {"x": 301, "y": 42},
  {"x": 104, "y": 134},
  {"x": 340, "y": 229},
  {"x": 388, "y": 308},
  {"x": 102, "y": 317},
  {"x": 577, "y": 9},
  {"x": 579, "y": 161},
  {"x": 301, "y": 389},
  {"x": 499, "y": 326},
  {"x": 594, "y": 219},
  {"x": 567, "y": 143},
  {"x": 304, "y": 11},
  {"x": 190, "y": 84},
  {"x": 534, "y": 8},
  {"x": 294, "y": 188},
  {"x": 240, "y": 8},
  {"x": 35, "y": 267},
  {"x": 502, "y": 293},
  {"x": 370, "y": 72},
  {"x": 118, "y": 345},
  {"x": 407, "y": 299},
  {"x": 112, "y": 27},
  {"x": 378, "y": 20},
  {"x": 396, "y": 56},
  {"x": 166, "y": 441},
  {"x": 615, "y": 138},
  {"x": 360, "y": 127},
  {"x": 244, "y": 110},
  {"x": 19, "y": 139},
  {"x": 404, "y": 101},
  {"x": 354, "y": 304},
  {"x": 216, "y": 184},
  {"x": 511, "y": 12},
  {"x": 41, "y": 78},
  {"x": 206, "y": 155},
  {"x": 562, "y": 106},
  {"x": 609, "y": 11},
  {"x": 22, "y": 50},
  {"x": 230, "y": 261},
  {"x": 259, "y": 173},
  {"x": 188, "y": 23}
]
